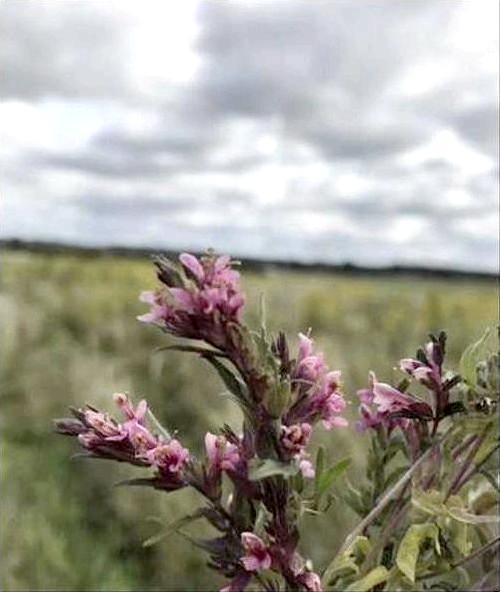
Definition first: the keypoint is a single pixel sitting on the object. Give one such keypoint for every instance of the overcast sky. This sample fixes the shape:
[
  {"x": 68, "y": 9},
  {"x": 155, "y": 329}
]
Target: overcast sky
[{"x": 327, "y": 130}]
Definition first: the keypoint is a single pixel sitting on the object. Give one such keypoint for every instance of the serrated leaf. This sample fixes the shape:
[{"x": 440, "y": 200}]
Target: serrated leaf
[
  {"x": 409, "y": 548},
  {"x": 263, "y": 469},
  {"x": 329, "y": 476},
  {"x": 373, "y": 578}
]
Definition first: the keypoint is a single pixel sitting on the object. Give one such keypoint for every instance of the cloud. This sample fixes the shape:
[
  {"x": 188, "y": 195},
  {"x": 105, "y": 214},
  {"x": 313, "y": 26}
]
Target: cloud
[{"x": 310, "y": 130}]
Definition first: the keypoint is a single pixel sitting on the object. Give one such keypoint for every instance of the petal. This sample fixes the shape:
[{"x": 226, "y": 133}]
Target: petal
[{"x": 192, "y": 264}]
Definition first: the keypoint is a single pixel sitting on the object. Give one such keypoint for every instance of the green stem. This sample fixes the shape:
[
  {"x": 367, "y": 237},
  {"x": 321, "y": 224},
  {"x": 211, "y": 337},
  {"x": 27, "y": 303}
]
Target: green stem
[
  {"x": 384, "y": 501},
  {"x": 477, "y": 553}
]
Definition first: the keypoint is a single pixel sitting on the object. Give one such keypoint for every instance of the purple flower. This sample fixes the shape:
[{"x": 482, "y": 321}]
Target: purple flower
[
  {"x": 222, "y": 455},
  {"x": 317, "y": 389},
  {"x": 306, "y": 468},
  {"x": 199, "y": 300},
  {"x": 380, "y": 402},
  {"x": 169, "y": 457},
  {"x": 159, "y": 310},
  {"x": 295, "y": 438},
  {"x": 388, "y": 399},
  {"x": 257, "y": 556},
  {"x": 103, "y": 425},
  {"x": 311, "y": 581}
]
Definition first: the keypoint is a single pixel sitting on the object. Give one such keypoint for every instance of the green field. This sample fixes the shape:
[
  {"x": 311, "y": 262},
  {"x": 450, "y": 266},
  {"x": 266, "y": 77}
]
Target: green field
[{"x": 70, "y": 337}]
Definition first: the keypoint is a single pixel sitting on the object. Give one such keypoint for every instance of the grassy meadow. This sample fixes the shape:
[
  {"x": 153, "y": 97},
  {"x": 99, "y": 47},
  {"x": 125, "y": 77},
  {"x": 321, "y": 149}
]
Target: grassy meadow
[{"x": 70, "y": 337}]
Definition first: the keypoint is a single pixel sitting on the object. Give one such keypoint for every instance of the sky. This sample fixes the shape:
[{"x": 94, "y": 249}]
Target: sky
[{"x": 362, "y": 131}]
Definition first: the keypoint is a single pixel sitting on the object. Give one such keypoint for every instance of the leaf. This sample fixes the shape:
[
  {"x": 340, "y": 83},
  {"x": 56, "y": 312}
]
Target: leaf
[
  {"x": 430, "y": 502},
  {"x": 230, "y": 380},
  {"x": 328, "y": 476},
  {"x": 320, "y": 465},
  {"x": 373, "y": 578},
  {"x": 463, "y": 516},
  {"x": 409, "y": 548},
  {"x": 270, "y": 467},
  {"x": 473, "y": 354},
  {"x": 195, "y": 349},
  {"x": 160, "y": 429},
  {"x": 173, "y": 527},
  {"x": 454, "y": 407},
  {"x": 348, "y": 560}
]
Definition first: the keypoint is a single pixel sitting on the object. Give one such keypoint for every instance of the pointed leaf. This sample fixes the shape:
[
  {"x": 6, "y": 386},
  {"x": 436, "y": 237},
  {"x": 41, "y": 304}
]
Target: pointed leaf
[
  {"x": 195, "y": 349},
  {"x": 231, "y": 381},
  {"x": 173, "y": 527},
  {"x": 409, "y": 548},
  {"x": 328, "y": 476},
  {"x": 473, "y": 354},
  {"x": 159, "y": 428},
  {"x": 270, "y": 467},
  {"x": 373, "y": 578}
]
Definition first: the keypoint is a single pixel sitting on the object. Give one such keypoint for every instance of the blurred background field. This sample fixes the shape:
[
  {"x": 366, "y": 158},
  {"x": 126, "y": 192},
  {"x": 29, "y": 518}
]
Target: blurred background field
[{"x": 70, "y": 336}]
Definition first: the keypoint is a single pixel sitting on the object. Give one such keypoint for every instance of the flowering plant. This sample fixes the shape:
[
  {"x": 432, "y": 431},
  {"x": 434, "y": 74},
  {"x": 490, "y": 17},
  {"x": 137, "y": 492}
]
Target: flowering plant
[{"x": 429, "y": 492}]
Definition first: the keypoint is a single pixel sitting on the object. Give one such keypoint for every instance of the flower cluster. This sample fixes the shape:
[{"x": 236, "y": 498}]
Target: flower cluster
[
  {"x": 198, "y": 299},
  {"x": 316, "y": 389},
  {"x": 258, "y": 482},
  {"x": 131, "y": 441},
  {"x": 259, "y": 556}
]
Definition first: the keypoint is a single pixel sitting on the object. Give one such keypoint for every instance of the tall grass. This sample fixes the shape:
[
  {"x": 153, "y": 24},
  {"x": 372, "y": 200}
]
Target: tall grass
[{"x": 70, "y": 336}]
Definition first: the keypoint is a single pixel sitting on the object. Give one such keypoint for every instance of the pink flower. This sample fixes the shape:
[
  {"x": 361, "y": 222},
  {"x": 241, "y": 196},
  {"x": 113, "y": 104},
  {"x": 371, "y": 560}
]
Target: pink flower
[
  {"x": 139, "y": 436},
  {"x": 306, "y": 468},
  {"x": 169, "y": 457},
  {"x": 305, "y": 347},
  {"x": 295, "y": 438},
  {"x": 328, "y": 402},
  {"x": 316, "y": 388},
  {"x": 388, "y": 399},
  {"x": 103, "y": 425},
  {"x": 193, "y": 265},
  {"x": 222, "y": 455},
  {"x": 257, "y": 556},
  {"x": 311, "y": 368},
  {"x": 138, "y": 414},
  {"x": 311, "y": 581},
  {"x": 159, "y": 309},
  {"x": 201, "y": 297}
]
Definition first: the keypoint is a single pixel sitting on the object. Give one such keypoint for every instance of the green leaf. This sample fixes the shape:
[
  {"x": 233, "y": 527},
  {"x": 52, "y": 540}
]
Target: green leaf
[
  {"x": 373, "y": 578},
  {"x": 473, "y": 354},
  {"x": 409, "y": 548},
  {"x": 230, "y": 380},
  {"x": 430, "y": 502},
  {"x": 463, "y": 516},
  {"x": 320, "y": 465},
  {"x": 195, "y": 349},
  {"x": 262, "y": 469},
  {"x": 328, "y": 476},
  {"x": 159, "y": 428},
  {"x": 348, "y": 561},
  {"x": 173, "y": 527}
]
